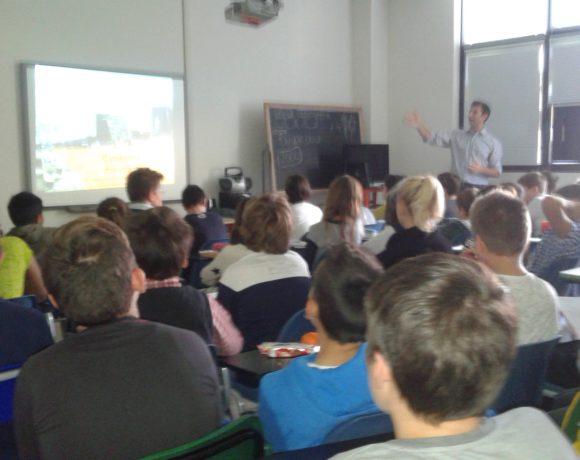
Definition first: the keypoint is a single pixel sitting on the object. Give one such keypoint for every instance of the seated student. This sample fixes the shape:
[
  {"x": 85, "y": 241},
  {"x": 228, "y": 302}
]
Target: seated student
[
  {"x": 207, "y": 225},
  {"x": 144, "y": 189},
  {"x": 501, "y": 228},
  {"x": 124, "y": 387},
  {"x": 212, "y": 272},
  {"x": 20, "y": 273},
  {"x": 25, "y": 211},
  {"x": 419, "y": 208},
  {"x": 113, "y": 209},
  {"x": 513, "y": 188},
  {"x": 451, "y": 184},
  {"x": 390, "y": 181},
  {"x": 300, "y": 404},
  {"x": 441, "y": 339},
  {"x": 304, "y": 214},
  {"x": 341, "y": 219},
  {"x": 535, "y": 185},
  {"x": 266, "y": 287},
  {"x": 23, "y": 331},
  {"x": 560, "y": 245},
  {"x": 458, "y": 231},
  {"x": 161, "y": 240}
]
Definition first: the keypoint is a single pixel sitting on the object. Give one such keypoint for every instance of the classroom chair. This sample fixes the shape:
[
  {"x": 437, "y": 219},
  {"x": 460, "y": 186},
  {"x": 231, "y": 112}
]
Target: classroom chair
[
  {"x": 526, "y": 378},
  {"x": 295, "y": 327},
  {"x": 362, "y": 426},
  {"x": 240, "y": 439}
]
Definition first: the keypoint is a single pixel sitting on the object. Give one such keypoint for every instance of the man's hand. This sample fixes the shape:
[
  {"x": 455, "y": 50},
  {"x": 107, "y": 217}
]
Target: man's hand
[
  {"x": 413, "y": 119},
  {"x": 483, "y": 170}
]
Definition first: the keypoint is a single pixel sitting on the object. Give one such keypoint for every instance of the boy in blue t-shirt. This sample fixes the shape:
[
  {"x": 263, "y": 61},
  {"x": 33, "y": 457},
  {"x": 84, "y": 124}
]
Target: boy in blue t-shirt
[{"x": 301, "y": 404}]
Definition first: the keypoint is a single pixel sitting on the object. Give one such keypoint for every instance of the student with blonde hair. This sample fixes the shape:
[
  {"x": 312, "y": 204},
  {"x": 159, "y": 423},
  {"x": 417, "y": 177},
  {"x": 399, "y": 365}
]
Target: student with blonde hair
[
  {"x": 341, "y": 218},
  {"x": 420, "y": 205}
]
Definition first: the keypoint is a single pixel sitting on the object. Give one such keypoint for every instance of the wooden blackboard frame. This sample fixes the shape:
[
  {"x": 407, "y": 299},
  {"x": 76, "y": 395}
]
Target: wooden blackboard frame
[{"x": 269, "y": 106}]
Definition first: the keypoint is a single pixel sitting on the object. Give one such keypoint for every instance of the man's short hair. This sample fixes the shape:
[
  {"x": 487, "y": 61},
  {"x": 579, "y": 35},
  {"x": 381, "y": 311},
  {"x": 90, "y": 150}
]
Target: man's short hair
[
  {"x": 161, "y": 241},
  {"x": 534, "y": 179},
  {"x": 24, "y": 208},
  {"x": 87, "y": 268},
  {"x": 339, "y": 285},
  {"x": 485, "y": 109},
  {"x": 193, "y": 195},
  {"x": 450, "y": 182},
  {"x": 297, "y": 188},
  {"x": 502, "y": 222},
  {"x": 466, "y": 197},
  {"x": 447, "y": 328},
  {"x": 267, "y": 224},
  {"x": 141, "y": 182}
]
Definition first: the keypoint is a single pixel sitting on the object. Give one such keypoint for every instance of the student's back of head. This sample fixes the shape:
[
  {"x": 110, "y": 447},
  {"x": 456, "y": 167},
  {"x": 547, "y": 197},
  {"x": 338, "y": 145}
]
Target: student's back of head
[
  {"x": 339, "y": 285},
  {"x": 193, "y": 195},
  {"x": 113, "y": 209},
  {"x": 161, "y": 241},
  {"x": 143, "y": 184},
  {"x": 465, "y": 199},
  {"x": 88, "y": 269},
  {"x": 422, "y": 199},
  {"x": 267, "y": 224},
  {"x": 25, "y": 208},
  {"x": 502, "y": 222},
  {"x": 445, "y": 327},
  {"x": 450, "y": 183},
  {"x": 297, "y": 188}
]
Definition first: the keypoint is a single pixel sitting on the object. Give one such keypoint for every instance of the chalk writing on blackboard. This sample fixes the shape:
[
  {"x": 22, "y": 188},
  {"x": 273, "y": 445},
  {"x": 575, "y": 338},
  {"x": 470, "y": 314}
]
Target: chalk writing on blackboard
[{"x": 289, "y": 158}]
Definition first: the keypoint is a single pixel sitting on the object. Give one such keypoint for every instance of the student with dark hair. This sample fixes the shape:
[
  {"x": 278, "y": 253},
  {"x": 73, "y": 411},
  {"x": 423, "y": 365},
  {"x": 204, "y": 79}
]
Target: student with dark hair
[
  {"x": 441, "y": 340},
  {"x": 304, "y": 214},
  {"x": 144, "y": 189},
  {"x": 128, "y": 386},
  {"x": 113, "y": 209},
  {"x": 161, "y": 241},
  {"x": 476, "y": 154},
  {"x": 341, "y": 219},
  {"x": 300, "y": 404},
  {"x": 458, "y": 231},
  {"x": 268, "y": 285},
  {"x": 501, "y": 229},
  {"x": 451, "y": 184},
  {"x": 206, "y": 225},
  {"x": 25, "y": 211}
]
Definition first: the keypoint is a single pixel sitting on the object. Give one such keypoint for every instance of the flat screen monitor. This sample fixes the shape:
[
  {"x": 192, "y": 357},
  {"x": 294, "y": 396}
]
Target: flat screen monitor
[
  {"x": 88, "y": 128},
  {"x": 369, "y": 163}
]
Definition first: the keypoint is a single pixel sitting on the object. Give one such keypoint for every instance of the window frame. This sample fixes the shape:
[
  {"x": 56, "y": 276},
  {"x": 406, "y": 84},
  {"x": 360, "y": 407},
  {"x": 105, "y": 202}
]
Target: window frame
[{"x": 545, "y": 147}]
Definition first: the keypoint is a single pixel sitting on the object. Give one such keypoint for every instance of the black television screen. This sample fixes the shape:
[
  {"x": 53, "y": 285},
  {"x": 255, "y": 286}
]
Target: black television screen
[
  {"x": 369, "y": 163},
  {"x": 88, "y": 128}
]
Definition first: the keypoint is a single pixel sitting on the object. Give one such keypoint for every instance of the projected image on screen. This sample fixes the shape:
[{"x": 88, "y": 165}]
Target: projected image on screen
[{"x": 89, "y": 128}]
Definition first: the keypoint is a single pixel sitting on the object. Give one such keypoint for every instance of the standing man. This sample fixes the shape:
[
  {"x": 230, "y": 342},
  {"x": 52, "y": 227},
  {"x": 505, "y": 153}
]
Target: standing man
[{"x": 475, "y": 154}]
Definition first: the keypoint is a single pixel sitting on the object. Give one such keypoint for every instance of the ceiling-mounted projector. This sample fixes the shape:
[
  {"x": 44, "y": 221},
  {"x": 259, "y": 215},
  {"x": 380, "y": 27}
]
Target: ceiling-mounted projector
[{"x": 253, "y": 12}]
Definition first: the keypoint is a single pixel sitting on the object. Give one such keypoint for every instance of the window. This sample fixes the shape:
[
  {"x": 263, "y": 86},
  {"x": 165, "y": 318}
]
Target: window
[{"x": 526, "y": 66}]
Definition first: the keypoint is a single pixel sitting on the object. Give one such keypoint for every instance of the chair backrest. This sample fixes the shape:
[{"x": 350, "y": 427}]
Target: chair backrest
[
  {"x": 8, "y": 375},
  {"x": 552, "y": 275},
  {"x": 241, "y": 439},
  {"x": 526, "y": 378},
  {"x": 28, "y": 301},
  {"x": 361, "y": 426},
  {"x": 192, "y": 274},
  {"x": 295, "y": 327}
]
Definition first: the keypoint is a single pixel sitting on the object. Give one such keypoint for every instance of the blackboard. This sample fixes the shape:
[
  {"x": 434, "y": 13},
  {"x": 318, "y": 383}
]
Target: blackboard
[{"x": 308, "y": 140}]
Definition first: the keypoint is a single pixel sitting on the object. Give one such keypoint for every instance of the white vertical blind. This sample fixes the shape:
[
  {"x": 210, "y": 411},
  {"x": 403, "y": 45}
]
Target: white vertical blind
[
  {"x": 508, "y": 77},
  {"x": 565, "y": 70}
]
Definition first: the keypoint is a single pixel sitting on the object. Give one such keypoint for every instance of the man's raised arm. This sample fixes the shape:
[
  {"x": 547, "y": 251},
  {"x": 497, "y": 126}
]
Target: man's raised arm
[{"x": 414, "y": 120}]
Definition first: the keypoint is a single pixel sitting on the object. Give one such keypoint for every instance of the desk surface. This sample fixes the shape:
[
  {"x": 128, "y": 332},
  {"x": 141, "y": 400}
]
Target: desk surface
[
  {"x": 571, "y": 275},
  {"x": 253, "y": 362}
]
